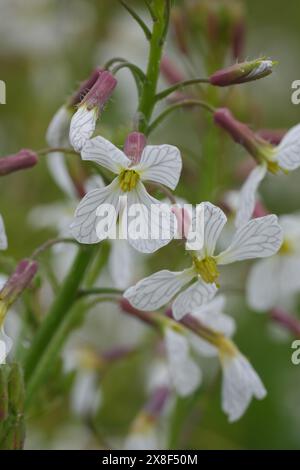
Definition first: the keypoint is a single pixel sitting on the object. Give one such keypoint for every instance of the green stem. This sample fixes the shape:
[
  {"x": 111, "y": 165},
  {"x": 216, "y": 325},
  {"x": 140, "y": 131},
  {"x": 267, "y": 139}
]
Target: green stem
[
  {"x": 180, "y": 86},
  {"x": 161, "y": 8},
  {"x": 63, "y": 302},
  {"x": 99, "y": 291}
]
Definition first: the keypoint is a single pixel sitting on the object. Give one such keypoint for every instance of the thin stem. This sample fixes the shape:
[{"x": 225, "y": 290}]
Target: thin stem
[
  {"x": 181, "y": 104},
  {"x": 160, "y": 27},
  {"x": 151, "y": 10},
  {"x": 179, "y": 86},
  {"x": 136, "y": 17},
  {"x": 49, "y": 243},
  {"x": 47, "y": 150},
  {"x": 112, "y": 61},
  {"x": 137, "y": 74}
]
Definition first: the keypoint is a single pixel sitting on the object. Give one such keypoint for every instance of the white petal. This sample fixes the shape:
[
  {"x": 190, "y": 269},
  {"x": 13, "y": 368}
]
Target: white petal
[
  {"x": 59, "y": 171},
  {"x": 240, "y": 384},
  {"x": 184, "y": 372},
  {"x": 202, "y": 347},
  {"x": 288, "y": 151},
  {"x": 3, "y": 238},
  {"x": 121, "y": 263},
  {"x": 94, "y": 182},
  {"x": 263, "y": 284},
  {"x": 259, "y": 238},
  {"x": 82, "y": 127},
  {"x": 152, "y": 224},
  {"x": 58, "y": 130},
  {"x": 158, "y": 289},
  {"x": 162, "y": 164},
  {"x": 213, "y": 221},
  {"x": 103, "y": 152},
  {"x": 145, "y": 440},
  {"x": 247, "y": 195},
  {"x": 85, "y": 226},
  {"x": 195, "y": 295},
  {"x": 5, "y": 345}
]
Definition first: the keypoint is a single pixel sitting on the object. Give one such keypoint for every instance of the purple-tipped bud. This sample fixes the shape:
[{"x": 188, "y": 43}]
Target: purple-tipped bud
[
  {"x": 17, "y": 282},
  {"x": 242, "y": 72},
  {"x": 134, "y": 146},
  {"x": 85, "y": 87},
  {"x": 259, "y": 148},
  {"x": 101, "y": 91},
  {"x": 25, "y": 158}
]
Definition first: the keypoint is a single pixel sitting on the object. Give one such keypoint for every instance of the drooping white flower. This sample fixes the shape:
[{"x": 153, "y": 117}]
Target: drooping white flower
[
  {"x": 184, "y": 372},
  {"x": 160, "y": 164},
  {"x": 259, "y": 238},
  {"x": 83, "y": 122},
  {"x": 3, "y": 237},
  {"x": 240, "y": 381},
  {"x": 272, "y": 281}
]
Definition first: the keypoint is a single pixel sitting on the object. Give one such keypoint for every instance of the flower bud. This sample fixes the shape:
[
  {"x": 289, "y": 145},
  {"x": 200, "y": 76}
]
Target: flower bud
[
  {"x": 242, "y": 72},
  {"x": 85, "y": 87},
  {"x": 134, "y": 146},
  {"x": 25, "y": 158},
  {"x": 259, "y": 148},
  {"x": 16, "y": 283},
  {"x": 83, "y": 122}
]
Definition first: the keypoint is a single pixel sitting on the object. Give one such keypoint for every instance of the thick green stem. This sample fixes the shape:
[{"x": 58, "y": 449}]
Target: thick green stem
[
  {"x": 160, "y": 27},
  {"x": 63, "y": 302}
]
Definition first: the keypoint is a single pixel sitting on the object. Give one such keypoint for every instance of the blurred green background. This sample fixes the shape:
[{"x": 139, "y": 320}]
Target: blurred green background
[{"x": 46, "y": 48}]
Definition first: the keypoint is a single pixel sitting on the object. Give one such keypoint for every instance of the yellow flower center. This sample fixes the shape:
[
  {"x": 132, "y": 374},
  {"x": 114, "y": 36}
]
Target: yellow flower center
[
  {"x": 207, "y": 269},
  {"x": 128, "y": 180},
  {"x": 273, "y": 167},
  {"x": 286, "y": 248}
]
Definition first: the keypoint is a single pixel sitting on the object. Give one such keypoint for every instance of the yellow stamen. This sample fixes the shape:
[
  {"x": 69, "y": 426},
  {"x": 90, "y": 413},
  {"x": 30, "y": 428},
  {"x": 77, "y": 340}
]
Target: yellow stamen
[
  {"x": 207, "y": 269},
  {"x": 128, "y": 180},
  {"x": 227, "y": 348},
  {"x": 273, "y": 167}
]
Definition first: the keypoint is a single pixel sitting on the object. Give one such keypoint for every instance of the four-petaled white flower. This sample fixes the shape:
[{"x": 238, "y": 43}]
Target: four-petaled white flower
[
  {"x": 273, "y": 280},
  {"x": 259, "y": 238},
  {"x": 160, "y": 164},
  {"x": 285, "y": 157},
  {"x": 240, "y": 381}
]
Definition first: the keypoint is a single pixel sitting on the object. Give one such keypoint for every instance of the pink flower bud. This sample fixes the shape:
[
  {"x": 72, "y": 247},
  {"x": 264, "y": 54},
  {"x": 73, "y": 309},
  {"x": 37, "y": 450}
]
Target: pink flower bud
[
  {"x": 101, "y": 91},
  {"x": 242, "y": 72},
  {"x": 17, "y": 282},
  {"x": 134, "y": 146},
  {"x": 25, "y": 158},
  {"x": 259, "y": 148},
  {"x": 85, "y": 87}
]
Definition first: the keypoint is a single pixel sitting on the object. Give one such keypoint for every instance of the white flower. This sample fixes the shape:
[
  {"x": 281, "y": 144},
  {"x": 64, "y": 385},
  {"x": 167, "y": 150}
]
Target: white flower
[
  {"x": 284, "y": 157},
  {"x": 3, "y": 238},
  {"x": 160, "y": 164},
  {"x": 240, "y": 382},
  {"x": 273, "y": 280},
  {"x": 184, "y": 372},
  {"x": 259, "y": 238},
  {"x": 212, "y": 316},
  {"x": 85, "y": 393}
]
